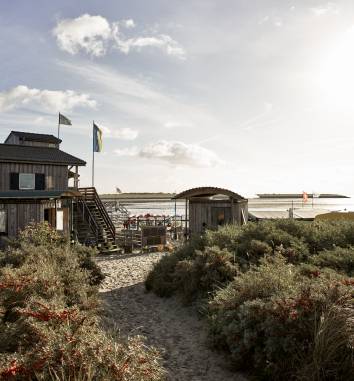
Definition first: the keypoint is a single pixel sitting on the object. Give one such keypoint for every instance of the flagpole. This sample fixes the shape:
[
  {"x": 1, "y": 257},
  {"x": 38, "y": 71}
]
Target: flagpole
[
  {"x": 93, "y": 155},
  {"x": 58, "y": 125}
]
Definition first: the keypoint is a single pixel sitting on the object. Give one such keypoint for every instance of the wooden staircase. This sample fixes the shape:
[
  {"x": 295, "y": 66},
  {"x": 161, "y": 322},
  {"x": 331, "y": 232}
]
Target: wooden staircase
[{"x": 92, "y": 223}]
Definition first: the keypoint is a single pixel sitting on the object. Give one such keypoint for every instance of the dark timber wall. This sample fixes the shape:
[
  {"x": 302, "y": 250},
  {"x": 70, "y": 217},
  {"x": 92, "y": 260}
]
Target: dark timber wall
[
  {"x": 56, "y": 176},
  {"x": 15, "y": 139},
  {"x": 21, "y": 214},
  {"x": 206, "y": 212}
]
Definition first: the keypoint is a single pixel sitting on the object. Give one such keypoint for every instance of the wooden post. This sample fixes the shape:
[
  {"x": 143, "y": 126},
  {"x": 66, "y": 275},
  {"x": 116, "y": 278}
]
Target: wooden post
[
  {"x": 55, "y": 207},
  {"x": 76, "y": 177},
  {"x": 185, "y": 221},
  {"x": 175, "y": 219},
  {"x": 232, "y": 210}
]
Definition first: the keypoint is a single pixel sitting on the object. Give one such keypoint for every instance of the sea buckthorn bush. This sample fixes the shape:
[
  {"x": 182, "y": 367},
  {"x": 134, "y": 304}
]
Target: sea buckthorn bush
[
  {"x": 279, "y": 295},
  {"x": 161, "y": 279},
  {"x": 339, "y": 259},
  {"x": 280, "y": 324},
  {"x": 210, "y": 269},
  {"x": 298, "y": 241},
  {"x": 49, "y": 316}
]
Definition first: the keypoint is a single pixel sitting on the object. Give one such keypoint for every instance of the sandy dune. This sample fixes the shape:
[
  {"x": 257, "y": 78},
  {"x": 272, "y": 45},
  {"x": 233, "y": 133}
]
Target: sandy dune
[{"x": 175, "y": 330}]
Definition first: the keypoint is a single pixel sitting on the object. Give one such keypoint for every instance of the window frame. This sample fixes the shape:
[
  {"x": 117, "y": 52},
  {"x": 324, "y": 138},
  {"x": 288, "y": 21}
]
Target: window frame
[{"x": 33, "y": 178}]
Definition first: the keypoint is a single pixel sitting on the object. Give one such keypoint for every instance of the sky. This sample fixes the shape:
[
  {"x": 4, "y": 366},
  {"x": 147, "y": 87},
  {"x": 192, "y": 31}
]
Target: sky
[{"x": 254, "y": 96}]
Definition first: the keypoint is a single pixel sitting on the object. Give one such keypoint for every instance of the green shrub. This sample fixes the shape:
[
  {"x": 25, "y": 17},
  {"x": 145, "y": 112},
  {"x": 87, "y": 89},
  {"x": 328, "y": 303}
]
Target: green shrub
[
  {"x": 86, "y": 257},
  {"x": 339, "y": 259},
  {"x": 160, "y": 280},
  {"x": 43, "y": 236},
  {"x": 226, "y": 237},
  {"x": 49, "y": 322},
  {"x": 269, "y": 315},
  {"x": 208, "y": 270},
  {"x": 289, "y": 312},
  {"x": 251, "y": 242}
]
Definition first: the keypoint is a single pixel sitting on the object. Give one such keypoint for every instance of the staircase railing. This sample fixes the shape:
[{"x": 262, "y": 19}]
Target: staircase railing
[
  {"x": 88, "y": 217},
  {"x": 90, "y": 194}
]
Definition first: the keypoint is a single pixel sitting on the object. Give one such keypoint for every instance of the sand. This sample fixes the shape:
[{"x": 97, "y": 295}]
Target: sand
[{"x": 175, "y": 330}]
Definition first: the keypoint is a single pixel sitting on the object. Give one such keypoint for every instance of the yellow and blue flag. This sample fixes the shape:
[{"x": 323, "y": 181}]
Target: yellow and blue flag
[{"x": 97, "y": 138}]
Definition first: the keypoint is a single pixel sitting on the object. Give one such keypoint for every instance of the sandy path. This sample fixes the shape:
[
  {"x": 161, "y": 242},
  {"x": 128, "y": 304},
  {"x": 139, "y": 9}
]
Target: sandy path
[{"x": 174, "y": 329}]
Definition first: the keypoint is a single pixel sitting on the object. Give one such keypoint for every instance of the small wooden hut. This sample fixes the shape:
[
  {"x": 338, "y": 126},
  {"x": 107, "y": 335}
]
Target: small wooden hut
[{"x": 211, "y": 207}]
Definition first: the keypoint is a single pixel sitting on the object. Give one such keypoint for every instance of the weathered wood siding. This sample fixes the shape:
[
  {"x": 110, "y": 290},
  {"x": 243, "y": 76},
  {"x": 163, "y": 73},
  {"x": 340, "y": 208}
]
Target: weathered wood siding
[
  {"x": 56, "y": 176},
  {"x": 20, "y": 215},
  {"x": 14, "y": 139},
  {"x": 202, "y": 212}
]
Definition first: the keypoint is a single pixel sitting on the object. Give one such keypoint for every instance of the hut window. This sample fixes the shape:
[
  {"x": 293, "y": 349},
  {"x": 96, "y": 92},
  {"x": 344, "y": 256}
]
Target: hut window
[
  {"x": 26, "y": 181},
  {"x": 220, "y": 216},
  {"x": 3, "y": 221}
]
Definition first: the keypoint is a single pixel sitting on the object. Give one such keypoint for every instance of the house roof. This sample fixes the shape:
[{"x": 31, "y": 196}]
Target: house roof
[
  {"x": 15, "y": 153},
  {"x": 29, "y": 136},
  {"x": 208, "y": 192},
  {"x": 38, "y": 194}
]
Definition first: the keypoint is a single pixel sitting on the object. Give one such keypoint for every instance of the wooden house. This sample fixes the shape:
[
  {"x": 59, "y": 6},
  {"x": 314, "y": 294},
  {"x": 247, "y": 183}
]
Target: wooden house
[
  {"x": 34, "y": 187},
  {"x": 211, "y": 207}
]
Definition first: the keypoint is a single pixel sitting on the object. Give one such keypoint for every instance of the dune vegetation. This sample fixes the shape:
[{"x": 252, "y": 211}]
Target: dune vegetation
[
  {"x": 278, "y": 296},
  {"x": 50, "y": 326}
]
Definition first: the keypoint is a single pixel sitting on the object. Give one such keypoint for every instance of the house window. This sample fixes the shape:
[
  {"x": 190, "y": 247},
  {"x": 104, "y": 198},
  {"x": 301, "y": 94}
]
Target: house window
[
  {"x": 27, "y": 181},
  {"x": 3, "y": 221},
  {"x": 40, "y": 181}
]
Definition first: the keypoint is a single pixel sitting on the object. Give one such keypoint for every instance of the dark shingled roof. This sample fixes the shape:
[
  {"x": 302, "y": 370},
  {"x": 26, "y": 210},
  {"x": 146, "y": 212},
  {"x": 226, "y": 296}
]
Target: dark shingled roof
[
  {"x": 29, "y": 136},
  {"x": 38, "y": 194},
  {"x": 15, "y": 153}
]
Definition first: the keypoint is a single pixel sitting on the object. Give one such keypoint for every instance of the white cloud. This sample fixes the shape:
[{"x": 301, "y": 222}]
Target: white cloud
[
  {"x": 129, "y": 23},
  {"x": 39, "y": 120},
  {"x": 264, "y": 20},
  {"x": 268, "y": 107},
  {"x": 159, "y": 41},
  {"x": 88, "y": 33},
  {"x": 175, "y": 153},
  {"x": 120, "y": 133},
  {"x": 325, "y": 9},
  {"x": 133, "y": 151},
  {"x": 140, "y": 100},
  {"x": 177, "y": 124},
  {"x": 49, "y": 100},
  {"x": 276, "y": 21},
  {"x": 94, "y": 35}
]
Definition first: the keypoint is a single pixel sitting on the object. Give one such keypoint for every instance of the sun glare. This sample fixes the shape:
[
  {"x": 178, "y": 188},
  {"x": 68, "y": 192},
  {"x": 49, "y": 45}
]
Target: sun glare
[{"x": 336, "y": 75}]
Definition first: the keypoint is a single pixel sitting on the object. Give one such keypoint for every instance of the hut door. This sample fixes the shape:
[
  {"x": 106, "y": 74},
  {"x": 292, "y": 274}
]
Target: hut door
[{"x": 220, "y": 216}]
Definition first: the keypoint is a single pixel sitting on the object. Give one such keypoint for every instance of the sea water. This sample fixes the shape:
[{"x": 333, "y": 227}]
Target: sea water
[{"x": 167, "y": 208}]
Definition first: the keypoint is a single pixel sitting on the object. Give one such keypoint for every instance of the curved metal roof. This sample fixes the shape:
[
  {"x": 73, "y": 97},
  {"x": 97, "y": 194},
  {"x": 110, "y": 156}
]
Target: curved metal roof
[{"x": 208, "y": 192}]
